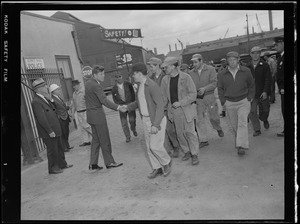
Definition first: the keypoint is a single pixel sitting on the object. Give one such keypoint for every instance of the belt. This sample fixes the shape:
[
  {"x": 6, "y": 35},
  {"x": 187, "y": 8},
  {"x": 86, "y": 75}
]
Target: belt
[{"x": 81, "y": 111}]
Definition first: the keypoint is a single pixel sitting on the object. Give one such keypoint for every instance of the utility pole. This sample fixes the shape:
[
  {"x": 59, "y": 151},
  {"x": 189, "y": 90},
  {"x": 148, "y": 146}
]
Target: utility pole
[{"x": 247, "y": 33}]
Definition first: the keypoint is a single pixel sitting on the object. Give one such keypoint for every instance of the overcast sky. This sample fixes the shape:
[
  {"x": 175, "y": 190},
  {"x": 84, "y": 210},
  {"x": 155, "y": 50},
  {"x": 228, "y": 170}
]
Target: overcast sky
[{"x": 163, "y": 27}]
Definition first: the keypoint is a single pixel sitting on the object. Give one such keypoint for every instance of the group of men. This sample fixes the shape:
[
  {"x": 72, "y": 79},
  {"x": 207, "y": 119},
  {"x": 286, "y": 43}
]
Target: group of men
[{"x": 173, "y": 106}]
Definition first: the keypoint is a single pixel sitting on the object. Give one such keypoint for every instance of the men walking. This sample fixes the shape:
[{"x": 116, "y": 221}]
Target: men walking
[
  {"x": 262, "y": 77},
  {"x": 123, "y": 94},
  {"x": 179, "y": 94},
  {"x": 48, "y": 127},
  {"x": 63, "y": 115},
  {"x": 151, "y": 107},
  {"x": 236, "y": 90},
  {"x": 171, "y": 142},
  {"x": 95, "y": 99},
  {"x": 273, "y": 69},
  {"x": 205, "y": 79},
  {"x": 221, "y": 108},
  {"x": 79, "y": 107},
  {"x": 279, "y": 46}
]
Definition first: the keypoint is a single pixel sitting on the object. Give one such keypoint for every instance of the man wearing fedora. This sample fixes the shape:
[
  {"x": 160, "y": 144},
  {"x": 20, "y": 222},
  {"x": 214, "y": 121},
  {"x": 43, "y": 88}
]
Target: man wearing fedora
[
  {"x": 262, "y": 77},
  {"x": 205, "y": 79},
  {"x": 151, "y": 107},
  {"x": 123, "y": 94},
  {"x": 279, "y": 46},
  {"x": 79, "y": 106},
  {"x": 48, "y": 126},
  {"x": 95, "y": 100},
  {"x": 236, "y": 90},
  {"x": 179, "y": 94},
  {"x": 62, "y": 113},
  {"x": 157, "y": 74}
]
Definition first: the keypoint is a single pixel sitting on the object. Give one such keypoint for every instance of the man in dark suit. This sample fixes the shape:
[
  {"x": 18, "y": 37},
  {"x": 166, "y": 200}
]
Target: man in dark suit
[
  {"x": 95, "y": 99},
  {"x": 63, "y": 115},
  {"x": 123, "y": 94},
  {"x": 279, "y": 46},
  {"x": 48, "y": 126}
]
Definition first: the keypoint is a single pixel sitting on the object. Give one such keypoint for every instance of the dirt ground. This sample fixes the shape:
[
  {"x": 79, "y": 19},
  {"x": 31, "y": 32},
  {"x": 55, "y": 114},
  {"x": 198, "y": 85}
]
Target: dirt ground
[{"x": 223, "y": 185}]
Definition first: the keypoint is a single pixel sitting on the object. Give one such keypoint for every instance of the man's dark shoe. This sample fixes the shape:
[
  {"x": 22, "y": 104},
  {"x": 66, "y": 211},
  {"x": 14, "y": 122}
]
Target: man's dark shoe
[
  {"x": 241, "y": 151},
  {"x": 186, "y": 156},
  {"x": 85, "y": 144},
  {"x": 281, "y": 134},
  {"x": 167, "y": 169},
  {"x": 195, "y": 160},
  {"x": 202, "y": 144},
  {"x": 266, "y": 124},
  {"x": 128, "y": 140},
  {"x": 113, "y": 165},
  {"x": 135, "y": 133},
  {"x": 155, "y": 173},
  {"x": 223, "y": 114},
  {"x": 55, "y": 171},
  {"x": 220, "y": 133},
  {"x": 68, "y": 166},
  {"x": 95, "y": 167},
  {"x": 257, "y": 133}
]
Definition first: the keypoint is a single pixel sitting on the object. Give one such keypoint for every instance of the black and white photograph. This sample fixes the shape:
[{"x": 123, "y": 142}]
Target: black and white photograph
[{"x": 163, "y": 111}]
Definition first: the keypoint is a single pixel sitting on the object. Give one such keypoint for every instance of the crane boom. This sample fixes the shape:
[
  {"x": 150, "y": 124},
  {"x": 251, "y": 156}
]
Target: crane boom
[
  {"x": 225, "y": 33},
  {"x": 258, "y": 23}
]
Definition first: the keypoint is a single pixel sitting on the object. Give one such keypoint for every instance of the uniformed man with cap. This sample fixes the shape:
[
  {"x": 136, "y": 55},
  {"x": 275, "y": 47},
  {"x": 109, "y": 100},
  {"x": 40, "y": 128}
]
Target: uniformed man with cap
[
  {"x": 279, "y": 46},
  {"x": 48, "y": 126},
  {"x": 79, "y": 109},
  {"x": 205, "y": 79},
  {"x": 62, "y": 113},
  {"x": 262, "y": 78},
  {"x": 179, "y": 94},
  {"x": 236, "y": 90}
]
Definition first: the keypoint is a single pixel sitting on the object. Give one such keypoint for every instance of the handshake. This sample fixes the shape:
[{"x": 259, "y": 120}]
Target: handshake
[{"x": 123, "y": 108}]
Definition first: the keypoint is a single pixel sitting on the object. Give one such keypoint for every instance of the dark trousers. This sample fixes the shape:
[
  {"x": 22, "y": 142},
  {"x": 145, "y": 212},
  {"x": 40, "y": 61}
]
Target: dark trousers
[
  {"x": 101, "y": 138},
  {"x": 282, "y": 106},
  {"x": 64, "y": 124},
  {"x": 55, "y": 153},
  {"x": 132, "y": 121},
  {"x": 272, "y": 95},
  {"x": 263, "y": 112}
]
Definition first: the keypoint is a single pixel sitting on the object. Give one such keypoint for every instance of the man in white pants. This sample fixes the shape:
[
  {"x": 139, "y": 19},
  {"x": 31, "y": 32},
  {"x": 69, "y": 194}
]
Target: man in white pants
[
  {"x": 80, "y": 108},
  {"x": 151, "y": 107}
]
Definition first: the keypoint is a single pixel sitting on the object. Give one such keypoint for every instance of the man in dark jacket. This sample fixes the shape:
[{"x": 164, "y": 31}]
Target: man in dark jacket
[
  {"x": 279, "y": 46},
  {"x": 123, "y": 94},
  {"x": 95, "y": 99},
  {"x": 63, "y": 115},
  {"x": 262, "y": 77},
  {"x": 48, "y": 126}
]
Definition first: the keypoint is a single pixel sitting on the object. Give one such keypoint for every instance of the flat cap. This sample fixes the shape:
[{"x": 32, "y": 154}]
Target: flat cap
[
  {"x": 169, "y": 61},
  {"x": 139, "y": 67},
  {"x": 278, "y": 39},
  {"x": 53, "y": 87},
  {"x": 223, "y": 59},
  {"x": 184, "y": 66},
  {"x": 267, "y": 53},
  {"x": 75, "y": 82},
  {"x": 232, "y": 54},
  {"x": 154, "y": 61},
  {"x": 255, "y": 49},
  {"x": 38, "y": 83},
  {"x": 196, "y": 57}
]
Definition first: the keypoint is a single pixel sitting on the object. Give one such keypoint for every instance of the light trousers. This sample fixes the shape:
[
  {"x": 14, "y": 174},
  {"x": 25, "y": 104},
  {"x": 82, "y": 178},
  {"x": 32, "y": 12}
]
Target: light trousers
[
  {"x": 185, "y": 131},
  {"x": 238, "y": 118},
  {"x": 155, "y": 143},
  {"x": 85, "y": 128}
]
